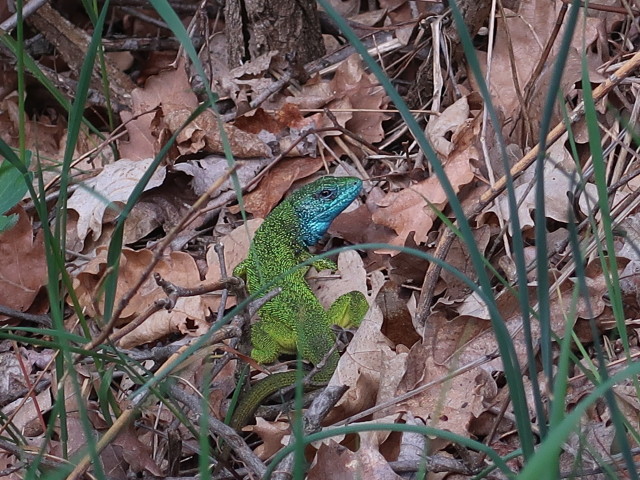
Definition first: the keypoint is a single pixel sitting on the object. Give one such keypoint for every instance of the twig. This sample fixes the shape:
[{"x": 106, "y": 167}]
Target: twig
[
  {"x": 11, "y": 22},
  {"x": 179, "y": 6},
  {"x": 606, "y": 8},
  {"x": 173, "y": 293},
  {"x": 319, "y": 409},
  {"x": 216, "y": 427},
  {"x": 303, "y": 135},
  {"x": 145, "y": 44},
  {"x": 43, "y": 320},
  {"x": 433, "y": 463},
  {"x": 145, "y": 18},
  {"x": 22, "y": 451}
]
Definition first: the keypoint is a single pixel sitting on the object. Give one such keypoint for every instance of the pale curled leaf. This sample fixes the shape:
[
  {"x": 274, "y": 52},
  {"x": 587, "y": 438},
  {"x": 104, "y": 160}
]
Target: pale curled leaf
[{"x": 115, "y": 183}]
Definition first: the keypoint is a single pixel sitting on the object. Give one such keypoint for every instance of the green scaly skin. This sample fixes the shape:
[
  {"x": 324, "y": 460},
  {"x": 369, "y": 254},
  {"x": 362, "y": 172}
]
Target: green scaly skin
[{"x": 295, "y": 321}]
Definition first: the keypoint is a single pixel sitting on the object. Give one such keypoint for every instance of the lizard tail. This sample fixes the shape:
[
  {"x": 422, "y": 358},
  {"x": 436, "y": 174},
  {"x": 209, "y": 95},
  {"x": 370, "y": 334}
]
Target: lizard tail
[
  {"x": 257, "y": 394},
  {"x": 250, "y": 403}
]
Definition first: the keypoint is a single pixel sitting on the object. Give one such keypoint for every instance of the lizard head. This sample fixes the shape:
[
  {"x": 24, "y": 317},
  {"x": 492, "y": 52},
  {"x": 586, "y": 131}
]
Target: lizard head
[{"x": 319, "y": 203}]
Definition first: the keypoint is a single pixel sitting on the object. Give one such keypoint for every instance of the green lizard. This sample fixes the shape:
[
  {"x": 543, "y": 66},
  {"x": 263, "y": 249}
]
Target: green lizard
[{"x": 294, "y": 321}]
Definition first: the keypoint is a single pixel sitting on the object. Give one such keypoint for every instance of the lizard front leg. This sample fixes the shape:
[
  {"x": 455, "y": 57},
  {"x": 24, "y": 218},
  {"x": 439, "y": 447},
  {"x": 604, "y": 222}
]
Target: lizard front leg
[{"x": 348, "y": 310}]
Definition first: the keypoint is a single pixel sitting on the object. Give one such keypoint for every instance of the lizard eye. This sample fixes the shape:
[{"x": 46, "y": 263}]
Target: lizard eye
[{"x": 326, "y": 194}]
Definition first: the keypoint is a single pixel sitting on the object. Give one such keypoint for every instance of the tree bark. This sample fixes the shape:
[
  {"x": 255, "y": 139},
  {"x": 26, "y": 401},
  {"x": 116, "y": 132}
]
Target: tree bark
[{"x": 256, "y": 27}]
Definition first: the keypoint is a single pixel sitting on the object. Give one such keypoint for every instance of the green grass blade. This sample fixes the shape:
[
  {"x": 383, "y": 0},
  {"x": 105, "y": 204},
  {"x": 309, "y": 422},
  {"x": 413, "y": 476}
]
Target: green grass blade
[
  {"x": 610, "y": 268},
  {"x": 542, "y": 267},
  {"x": 538, "y": 467},
  {"x": 511, "y": 365}
]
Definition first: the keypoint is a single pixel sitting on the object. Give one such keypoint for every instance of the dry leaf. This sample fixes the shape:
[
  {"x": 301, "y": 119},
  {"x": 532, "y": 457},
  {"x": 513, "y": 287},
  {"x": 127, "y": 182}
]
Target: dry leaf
[
  {"x": 208, "y": 170},
  {"x": 339, "y": 463},
  {"x": 277, "y": 182},
  {"x": 398, "y": 325},
  {"x": 362, "y": 366},
  {"x": 115, "y": 183},
  {"x": 203, "y": 133},
  {"x": 410, "y": 210},
  {"x": 441, "y": 129},
  {"x": 352, "y": 276},
  {"x": 450, "y": 405},
  {"x": 559, "y": 178},
  {"x": 188, "y": 316},
  {"x": 354, "y": 88},
  {"x": 137, "y": 454},
  {"x": 23, "y": 269},
  {"x": 170, "y": 84},
  {"x": 272, "y": 435}
]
